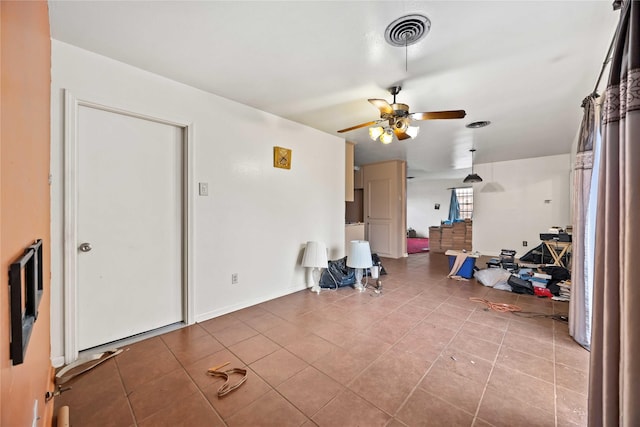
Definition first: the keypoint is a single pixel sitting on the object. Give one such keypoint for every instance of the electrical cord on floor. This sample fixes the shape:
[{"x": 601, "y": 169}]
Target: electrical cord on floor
[
  {"x": 497, "y": 306},
  {"x": 510, "y": 308},
  {"x": 531, "y": 314}
]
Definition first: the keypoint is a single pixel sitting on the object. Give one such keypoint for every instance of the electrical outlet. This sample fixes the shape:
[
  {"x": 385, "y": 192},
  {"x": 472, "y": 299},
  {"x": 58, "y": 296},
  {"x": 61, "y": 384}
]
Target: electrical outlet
[
  {"x": 234, "y": 279},
  {"x": 524, "y": 243}
]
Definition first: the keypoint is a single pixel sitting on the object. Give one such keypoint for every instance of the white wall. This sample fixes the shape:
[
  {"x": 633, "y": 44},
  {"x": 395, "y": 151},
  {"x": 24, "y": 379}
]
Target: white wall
[
  {"x": 256, "y": 218},
  {"x": 422, "y": 195},
  {"x": 510, "y": 207}
]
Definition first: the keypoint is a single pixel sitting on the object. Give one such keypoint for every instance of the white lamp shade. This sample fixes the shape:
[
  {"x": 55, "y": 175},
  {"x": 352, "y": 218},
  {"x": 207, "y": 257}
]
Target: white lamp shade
[
  {"x": 387, "y": 137},
  {"x": 359, "y": 255},
  {"x": 375, "y": 132},
  {"x": 315, "y": 255},
  {"x": 412, "y": 131}
]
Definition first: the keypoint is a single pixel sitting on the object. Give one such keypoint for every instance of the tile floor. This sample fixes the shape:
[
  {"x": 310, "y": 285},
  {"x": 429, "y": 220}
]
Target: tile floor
[{"x": 420, "y": 354}]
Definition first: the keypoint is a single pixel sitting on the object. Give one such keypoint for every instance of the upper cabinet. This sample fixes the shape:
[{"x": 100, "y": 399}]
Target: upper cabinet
[
  {"x": 358, "y": 182},
  {"x": 348, "y": 173}
]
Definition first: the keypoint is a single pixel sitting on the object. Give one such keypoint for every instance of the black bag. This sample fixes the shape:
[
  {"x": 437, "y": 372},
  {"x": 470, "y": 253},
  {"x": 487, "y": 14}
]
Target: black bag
[
  {"x": 338, "y": 275},
  {"x": 520, "y": 286},
  {"x": 535, "y": 256}
]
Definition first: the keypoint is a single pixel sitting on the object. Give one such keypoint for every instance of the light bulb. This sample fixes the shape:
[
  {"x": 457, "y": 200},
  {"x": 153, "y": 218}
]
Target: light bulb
[
  {"x": 412, "y": 131},
  {"x": 375, "y": 132},
  {"x": 387, "y": 136}
]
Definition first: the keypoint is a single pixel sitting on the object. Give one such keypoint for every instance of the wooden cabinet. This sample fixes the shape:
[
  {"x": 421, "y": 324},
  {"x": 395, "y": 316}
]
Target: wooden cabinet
[
  {"x": 358, "y": 183},
  {"x": 353, "y": 232},
  {"x": 348, "y": 171}
]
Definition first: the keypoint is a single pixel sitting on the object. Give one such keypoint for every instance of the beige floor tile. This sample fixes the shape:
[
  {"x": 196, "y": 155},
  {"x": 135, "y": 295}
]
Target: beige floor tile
[
  {"x": 269, "y": 410},
  {"x": 310, "y": 399},
  {"x": 349, "y": 410},
  {"x": 278, "y": 366},
  {"x": 426, "y": 409}
]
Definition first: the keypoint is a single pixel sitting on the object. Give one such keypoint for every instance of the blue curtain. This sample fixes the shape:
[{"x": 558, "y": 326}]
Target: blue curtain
[{"x": 454, "y": 207}]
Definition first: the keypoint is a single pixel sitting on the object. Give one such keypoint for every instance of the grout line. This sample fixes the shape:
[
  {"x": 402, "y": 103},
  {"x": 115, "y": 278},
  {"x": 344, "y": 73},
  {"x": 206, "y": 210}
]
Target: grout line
[
  {"x": 124, "y": 390},
  {"x": 493, "y": 365}
]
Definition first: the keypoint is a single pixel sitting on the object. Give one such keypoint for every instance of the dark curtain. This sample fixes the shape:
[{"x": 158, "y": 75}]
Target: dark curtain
[{"x": 614, "y": 382}]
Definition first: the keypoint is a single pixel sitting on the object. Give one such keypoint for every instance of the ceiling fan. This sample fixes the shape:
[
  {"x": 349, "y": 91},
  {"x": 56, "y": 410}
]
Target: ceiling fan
[{"x": 399, "y": 119}]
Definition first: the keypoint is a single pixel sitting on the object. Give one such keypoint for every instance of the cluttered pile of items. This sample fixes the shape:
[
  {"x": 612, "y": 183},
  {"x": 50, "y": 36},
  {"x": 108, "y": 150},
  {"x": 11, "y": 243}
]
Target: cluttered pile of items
[{"x": 543, "y": 280}]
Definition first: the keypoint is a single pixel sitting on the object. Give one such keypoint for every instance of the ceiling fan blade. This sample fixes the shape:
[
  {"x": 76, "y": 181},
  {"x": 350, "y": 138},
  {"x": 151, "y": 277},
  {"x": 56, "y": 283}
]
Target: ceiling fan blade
[
  {"x": 382, "y": 105},
  {"x": 400, "y": 134},
  {"x": 359, "y": 126},
  {"x": 433, "y": 115}
]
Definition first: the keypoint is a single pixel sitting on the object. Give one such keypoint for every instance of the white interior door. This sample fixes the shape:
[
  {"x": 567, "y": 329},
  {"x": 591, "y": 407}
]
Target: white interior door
[{"x": 129, "y": 210}]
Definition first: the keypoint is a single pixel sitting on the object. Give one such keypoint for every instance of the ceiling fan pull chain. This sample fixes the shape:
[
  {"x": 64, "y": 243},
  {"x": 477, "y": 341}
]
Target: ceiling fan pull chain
[{"x": 406, "y": 54}]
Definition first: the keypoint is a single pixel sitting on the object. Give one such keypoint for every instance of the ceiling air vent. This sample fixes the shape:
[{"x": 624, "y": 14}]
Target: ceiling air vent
[{"x": 407, "y": 30}]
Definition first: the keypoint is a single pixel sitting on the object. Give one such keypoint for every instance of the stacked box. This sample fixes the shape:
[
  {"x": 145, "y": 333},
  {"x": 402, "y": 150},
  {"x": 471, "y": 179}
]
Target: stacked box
[
  {"x": 446, "y": 238},
  {"x": 457, "y": 236},
  {"x": 459, "y": 233},
  {"x": 435, "y": 234},
  {"x": 468, "y": 237}
]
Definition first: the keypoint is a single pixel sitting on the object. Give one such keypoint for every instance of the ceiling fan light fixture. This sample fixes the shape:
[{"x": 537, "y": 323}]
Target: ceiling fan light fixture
[
  {"x": 401, "y": 124},
  {"x": 375, "y": 132},
  {"x": 412, "y": 131},
  {"x": 387, "y": 136}
]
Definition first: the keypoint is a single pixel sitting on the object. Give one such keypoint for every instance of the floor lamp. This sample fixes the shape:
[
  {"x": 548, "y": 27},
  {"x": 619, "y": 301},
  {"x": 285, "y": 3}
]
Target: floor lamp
[
  {"x": 359, "y": 257},
  {"x": 315, "y": 257}
]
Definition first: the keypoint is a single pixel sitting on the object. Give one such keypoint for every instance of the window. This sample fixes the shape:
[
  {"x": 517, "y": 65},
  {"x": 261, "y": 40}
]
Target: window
[{"x": 465, "y": 201}]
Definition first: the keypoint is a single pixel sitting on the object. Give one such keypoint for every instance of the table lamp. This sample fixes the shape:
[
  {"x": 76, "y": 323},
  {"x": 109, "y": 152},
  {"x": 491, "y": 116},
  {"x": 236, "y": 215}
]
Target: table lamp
[
  {"x": 315, "y": 257},
  {"x": 359, "y": 257}
]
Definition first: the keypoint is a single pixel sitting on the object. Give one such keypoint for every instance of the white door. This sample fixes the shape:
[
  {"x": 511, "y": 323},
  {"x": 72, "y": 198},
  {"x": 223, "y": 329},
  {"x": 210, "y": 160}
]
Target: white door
[{"x": 129, "y": 219}]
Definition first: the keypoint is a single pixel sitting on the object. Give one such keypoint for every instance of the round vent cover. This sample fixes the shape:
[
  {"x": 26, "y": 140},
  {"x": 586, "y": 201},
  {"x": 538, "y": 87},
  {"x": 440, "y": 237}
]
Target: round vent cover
[{"x": 407, "y": 30}]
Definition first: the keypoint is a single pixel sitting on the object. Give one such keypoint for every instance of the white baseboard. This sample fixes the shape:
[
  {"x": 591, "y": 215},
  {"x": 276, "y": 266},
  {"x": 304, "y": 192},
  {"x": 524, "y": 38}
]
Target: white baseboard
[
  {"x": 247, "y": 303},
  {"x": 57, "y": 361}
]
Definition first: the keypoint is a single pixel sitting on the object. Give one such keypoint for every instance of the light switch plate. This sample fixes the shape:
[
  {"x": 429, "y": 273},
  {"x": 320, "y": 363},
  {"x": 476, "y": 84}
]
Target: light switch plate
[{"x": 204, "y": 189}]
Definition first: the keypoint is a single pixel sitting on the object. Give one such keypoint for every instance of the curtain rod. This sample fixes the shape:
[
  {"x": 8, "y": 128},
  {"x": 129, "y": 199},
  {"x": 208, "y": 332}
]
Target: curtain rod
[{"x": 617, "y": 4}]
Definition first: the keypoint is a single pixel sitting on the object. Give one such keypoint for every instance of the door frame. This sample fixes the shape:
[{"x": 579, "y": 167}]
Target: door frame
[{"x": 70, "y": 207}]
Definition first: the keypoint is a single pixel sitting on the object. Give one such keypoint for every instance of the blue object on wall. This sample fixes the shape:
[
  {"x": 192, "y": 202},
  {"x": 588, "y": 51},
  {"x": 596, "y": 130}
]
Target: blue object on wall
[{"x": 454, "y": 207}]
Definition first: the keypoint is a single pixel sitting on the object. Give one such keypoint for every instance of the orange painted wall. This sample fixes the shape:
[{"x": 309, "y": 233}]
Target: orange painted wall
[{"x": 25, "y": 74}]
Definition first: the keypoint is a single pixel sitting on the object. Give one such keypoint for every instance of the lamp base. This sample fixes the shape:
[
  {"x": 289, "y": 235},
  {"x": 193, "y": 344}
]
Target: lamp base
[
  {"x": 358, "y": 285},
  {"x": 315, "y": 273}
]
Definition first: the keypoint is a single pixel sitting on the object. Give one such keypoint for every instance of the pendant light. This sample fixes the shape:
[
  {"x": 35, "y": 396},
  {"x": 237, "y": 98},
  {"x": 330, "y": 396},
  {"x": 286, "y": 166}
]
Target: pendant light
[{"x": 472, "y": 177}]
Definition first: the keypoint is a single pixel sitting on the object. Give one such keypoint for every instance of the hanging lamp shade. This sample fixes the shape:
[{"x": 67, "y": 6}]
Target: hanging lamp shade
[{"x": 472, "y": 177}]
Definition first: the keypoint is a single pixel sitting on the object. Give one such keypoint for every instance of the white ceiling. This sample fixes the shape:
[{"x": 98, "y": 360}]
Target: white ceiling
[{"x": 523, "y": 65}]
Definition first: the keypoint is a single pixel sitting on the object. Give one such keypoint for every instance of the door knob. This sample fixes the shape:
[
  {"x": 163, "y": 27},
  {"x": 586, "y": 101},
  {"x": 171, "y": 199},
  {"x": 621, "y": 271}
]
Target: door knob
[{"x": 85, "y": 247}]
